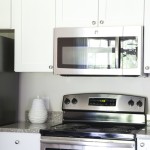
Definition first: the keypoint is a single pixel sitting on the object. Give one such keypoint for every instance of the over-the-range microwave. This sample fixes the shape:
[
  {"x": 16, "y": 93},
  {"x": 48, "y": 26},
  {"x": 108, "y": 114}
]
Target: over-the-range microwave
[{"x": 99, "y": 51}]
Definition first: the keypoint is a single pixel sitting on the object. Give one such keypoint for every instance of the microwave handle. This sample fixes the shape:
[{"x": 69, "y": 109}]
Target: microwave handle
[{"x": 117, "y": 53}]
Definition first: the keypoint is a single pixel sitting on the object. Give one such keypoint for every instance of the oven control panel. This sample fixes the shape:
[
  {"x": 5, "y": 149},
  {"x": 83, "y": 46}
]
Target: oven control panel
[{"x": 104, "y": 102}]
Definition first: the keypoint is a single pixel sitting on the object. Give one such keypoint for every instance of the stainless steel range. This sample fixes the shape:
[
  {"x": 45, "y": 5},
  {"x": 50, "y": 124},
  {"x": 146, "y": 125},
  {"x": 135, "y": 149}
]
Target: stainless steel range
[{"x": 97, "y": 121}]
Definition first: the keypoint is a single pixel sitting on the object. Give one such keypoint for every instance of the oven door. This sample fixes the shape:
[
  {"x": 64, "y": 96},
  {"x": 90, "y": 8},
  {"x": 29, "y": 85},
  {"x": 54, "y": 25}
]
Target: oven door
[{"x": 63, "y": 143}]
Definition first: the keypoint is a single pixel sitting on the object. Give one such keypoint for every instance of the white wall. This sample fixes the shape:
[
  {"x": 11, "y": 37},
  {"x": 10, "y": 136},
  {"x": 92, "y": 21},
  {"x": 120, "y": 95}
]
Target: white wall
[{"x": 54, "y": 87}]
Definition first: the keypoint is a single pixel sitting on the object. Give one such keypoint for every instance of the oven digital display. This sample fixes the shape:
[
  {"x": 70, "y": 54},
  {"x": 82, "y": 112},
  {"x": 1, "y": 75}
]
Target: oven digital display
[{"x": 97, "y": 101}]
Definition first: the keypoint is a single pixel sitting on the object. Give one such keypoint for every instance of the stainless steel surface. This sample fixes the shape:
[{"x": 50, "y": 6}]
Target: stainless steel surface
[
  {"x": 97, "y": 121},
  {"x": 104, "y": 117},
  {"x": 90, "y": 142},
  {"x": 82, "y": 143},
  {"x": 117, "y": 53},
  {"x": 121, "y": 31},
  {"x": 123, "y": 102}
]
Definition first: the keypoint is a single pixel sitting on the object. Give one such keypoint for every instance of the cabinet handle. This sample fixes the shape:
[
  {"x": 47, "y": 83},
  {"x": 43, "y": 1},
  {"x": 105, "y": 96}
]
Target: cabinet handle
[
  {"x": 101, "y": 22},
  {"x": 50, "y": 67},
  {"x": 93, "y": 22},
  {"x": 147, "y": 68},
  {"x": 142, "y": 144},
  {"x": 17, "y": 142}
]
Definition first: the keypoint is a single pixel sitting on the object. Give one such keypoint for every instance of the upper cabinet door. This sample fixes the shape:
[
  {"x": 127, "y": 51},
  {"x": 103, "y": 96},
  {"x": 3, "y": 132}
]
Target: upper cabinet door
[
  {"x": 124, "y": 12},
  {"x": 90, "y": 13},
  {"x": 5, "y": 14},
  {"x": 34, "y": 36},
  {"x": 76, "y": 13}
]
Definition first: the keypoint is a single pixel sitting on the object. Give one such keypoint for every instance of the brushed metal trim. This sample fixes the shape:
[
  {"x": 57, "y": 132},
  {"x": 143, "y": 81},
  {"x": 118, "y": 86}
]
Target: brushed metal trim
[
  {"x": 59, "y": 142},
  {"x": 117, "y": 52}
]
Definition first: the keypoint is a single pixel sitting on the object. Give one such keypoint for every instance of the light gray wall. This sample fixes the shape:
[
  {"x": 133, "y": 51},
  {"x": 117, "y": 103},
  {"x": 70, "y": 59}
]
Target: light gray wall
[{"x": 53, "y": 87}]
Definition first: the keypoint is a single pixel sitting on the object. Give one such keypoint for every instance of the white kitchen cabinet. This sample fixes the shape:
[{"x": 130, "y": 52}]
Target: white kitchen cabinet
[
  {"x": 19, "y": 141},
  {"x": 143, "y": 143},
  {"x": 5, "y": 14},
  {"x": 124, "y": 12},
  {"x": 34, "y": 21},
  {"x": 91, "y": 13},
  {"x": 147, "y": 37},
  {"x": 76, "y": 13}
]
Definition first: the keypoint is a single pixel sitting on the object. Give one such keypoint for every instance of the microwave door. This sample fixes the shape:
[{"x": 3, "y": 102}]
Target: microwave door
[{"x": 88, "y": 56}]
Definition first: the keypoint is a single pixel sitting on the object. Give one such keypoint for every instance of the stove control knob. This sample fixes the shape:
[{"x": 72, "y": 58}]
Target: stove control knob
[
  {"x": 139, "y": 103},
  {"x": 74, "y": 101},
  {"x": 131, "y": 102},
  {"x": 66, "y": 101}
]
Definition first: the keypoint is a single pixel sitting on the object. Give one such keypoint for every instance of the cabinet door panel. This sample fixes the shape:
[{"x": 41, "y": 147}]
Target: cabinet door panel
[
  {"x": 19, "y": 141},
  {"x": 102, "y": 12},
  {"x": 143, "y": 144},
  {"x": 5, "y": 14},
  {"x": 146, "y": 37},
  {"x": 36, "y": 49},
  {"x": 124, "y": 12},
  {"x": 76, "y": 13}
]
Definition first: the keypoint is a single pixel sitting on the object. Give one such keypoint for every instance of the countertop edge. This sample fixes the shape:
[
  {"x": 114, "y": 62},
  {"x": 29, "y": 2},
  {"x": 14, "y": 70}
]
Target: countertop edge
[{"x": 25, "y": 127}]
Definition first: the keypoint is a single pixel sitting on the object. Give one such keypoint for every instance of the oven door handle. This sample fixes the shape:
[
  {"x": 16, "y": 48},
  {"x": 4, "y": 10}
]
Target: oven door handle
[{"x": 90, "y": 142}]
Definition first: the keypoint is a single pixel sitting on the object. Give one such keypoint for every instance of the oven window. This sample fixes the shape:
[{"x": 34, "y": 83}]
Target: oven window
[{"x": 87, "y": 53}]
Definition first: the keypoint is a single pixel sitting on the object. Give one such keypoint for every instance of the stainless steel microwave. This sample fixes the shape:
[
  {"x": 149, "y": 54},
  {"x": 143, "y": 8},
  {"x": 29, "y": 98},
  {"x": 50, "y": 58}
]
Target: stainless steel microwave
[{"x": 98, "y": 51}]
